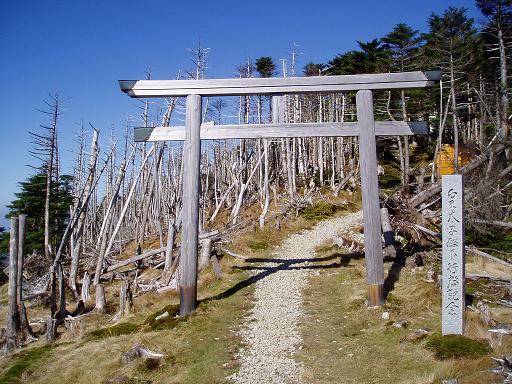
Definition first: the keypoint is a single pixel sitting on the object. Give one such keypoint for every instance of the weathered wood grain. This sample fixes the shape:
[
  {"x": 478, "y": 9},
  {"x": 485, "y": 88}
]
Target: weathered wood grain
[
  {"x": 265, "y": 86},
  {"x": 12, "y": 315},
  {"x": 190, "y": 212},
  {"x": 21, "y": 245},
  {"x": 256, "y": 131},
  {"x": 370, "y": 192}
]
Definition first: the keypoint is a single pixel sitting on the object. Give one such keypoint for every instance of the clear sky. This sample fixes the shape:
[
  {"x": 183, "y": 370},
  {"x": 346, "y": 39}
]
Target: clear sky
[{"x": 81, "y": 48}]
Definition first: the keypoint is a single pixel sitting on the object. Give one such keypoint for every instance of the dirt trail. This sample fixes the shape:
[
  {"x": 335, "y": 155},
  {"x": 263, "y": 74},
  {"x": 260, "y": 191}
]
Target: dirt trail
[{"x": 270, "y": 332}]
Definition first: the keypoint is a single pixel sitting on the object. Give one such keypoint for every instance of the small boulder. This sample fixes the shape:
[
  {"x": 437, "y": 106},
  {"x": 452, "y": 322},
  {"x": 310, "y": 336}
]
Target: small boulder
[
  {"x": 400, "y": 324},
  {"x": 418, "y": 334}
]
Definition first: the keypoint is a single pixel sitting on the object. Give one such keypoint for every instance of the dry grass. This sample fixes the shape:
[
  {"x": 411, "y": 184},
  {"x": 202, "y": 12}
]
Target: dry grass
[
  {"x": 344, "y": 341},
  {"x": 199, "y": 349}
]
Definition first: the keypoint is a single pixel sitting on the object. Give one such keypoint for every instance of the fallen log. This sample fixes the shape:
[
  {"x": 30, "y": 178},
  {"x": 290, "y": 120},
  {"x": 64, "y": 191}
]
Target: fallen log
[
  {"x": 486, "y": 276},
  {"x": 134, "y": 259},
  {"x": 495, "y": 223},
  {"x": 208, "y": 235},
  {"x": 342, "y": 183},
  {"x": 233, "y": 254},
  {"x": 430, "y": 232},
  {"x": 497, "y": 260},
  {"x": 503, "y": 329}
]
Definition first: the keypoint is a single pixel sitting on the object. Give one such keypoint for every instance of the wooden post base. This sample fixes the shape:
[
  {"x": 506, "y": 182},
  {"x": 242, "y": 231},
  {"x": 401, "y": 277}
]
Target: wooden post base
[
  {"x": 375, "y": 295},
  {"x": 188, "y": 299}
]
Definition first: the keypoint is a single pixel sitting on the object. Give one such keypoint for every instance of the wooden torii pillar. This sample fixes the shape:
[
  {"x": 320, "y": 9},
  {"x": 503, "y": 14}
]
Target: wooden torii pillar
[{"x": 365, "y": 128}]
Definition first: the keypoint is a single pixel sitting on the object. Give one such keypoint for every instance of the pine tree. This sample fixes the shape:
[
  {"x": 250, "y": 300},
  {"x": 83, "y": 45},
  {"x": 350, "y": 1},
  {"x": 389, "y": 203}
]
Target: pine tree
[
  {"x": 313, "y": 69},
  {"x": 498, "y": 31},
  {"x": 373, "y": 57},
  {"x": 451, "y": 44},
  {"x": 265, "y": 66},
  {"x": 31, "y": 200}
]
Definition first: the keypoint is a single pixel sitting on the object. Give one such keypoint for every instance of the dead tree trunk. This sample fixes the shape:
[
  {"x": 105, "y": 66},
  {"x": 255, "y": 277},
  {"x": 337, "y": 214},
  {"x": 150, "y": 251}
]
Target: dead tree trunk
[
  {"x": 51, "y": 329},
  {"x": 86, "y": 282},
  {"x": 24, "y": 327},
  {"x": 12, "y": 315},
  {"x": 50, "y": 146},
  {"x": 388, "y": 233},
  {"x": 101, "y": 243},
  {"x": 62, "y": 292},
  {"x": 81, "y": 220},
  {"x": 121, "y": 217}
]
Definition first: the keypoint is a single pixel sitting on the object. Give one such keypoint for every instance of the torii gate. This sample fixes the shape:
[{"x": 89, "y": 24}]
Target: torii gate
[{"x": 365, "y": 127}]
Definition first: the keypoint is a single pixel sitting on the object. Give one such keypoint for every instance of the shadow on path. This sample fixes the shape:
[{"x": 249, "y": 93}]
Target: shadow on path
[{"x": 339, "y": 260}]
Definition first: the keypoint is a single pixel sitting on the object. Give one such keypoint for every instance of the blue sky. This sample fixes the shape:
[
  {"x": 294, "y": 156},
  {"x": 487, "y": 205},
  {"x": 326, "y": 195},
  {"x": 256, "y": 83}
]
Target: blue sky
[{"x": 81, "y": 48}]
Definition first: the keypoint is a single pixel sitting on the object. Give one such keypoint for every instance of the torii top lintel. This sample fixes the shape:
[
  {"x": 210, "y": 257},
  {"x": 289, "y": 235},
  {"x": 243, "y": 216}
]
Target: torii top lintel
[{"x": 278, "y": 85}]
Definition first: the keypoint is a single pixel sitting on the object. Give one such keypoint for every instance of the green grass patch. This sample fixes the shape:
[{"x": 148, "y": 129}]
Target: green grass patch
[
  {"x": 24, "y": 361},
  {"x": 456, "y": 346},
  {"x": 393, "y": 302},
  {"x": 319, "y": 211},
  {"x": 258, "y": 245},
  {"x": 125, "y": 328}
]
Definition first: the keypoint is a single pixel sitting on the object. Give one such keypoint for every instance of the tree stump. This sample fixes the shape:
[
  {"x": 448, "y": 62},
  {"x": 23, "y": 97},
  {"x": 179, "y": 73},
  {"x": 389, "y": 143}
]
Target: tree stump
[
  {"x": 206, "y": 251},
  {"x": 125, "y": 299},
  {"x": 86, "y": 284},
  {"x": 51, "y": 330},
  {"x": 100, "y": 298}
]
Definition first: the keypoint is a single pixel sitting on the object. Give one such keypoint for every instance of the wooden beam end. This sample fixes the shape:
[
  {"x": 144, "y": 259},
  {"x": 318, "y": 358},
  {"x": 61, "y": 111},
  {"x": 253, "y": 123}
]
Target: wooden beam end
[
  {"x": 127, "y": 86},
  {"x": 434, "y": 75},
  {"x": 142, "y": 134}
]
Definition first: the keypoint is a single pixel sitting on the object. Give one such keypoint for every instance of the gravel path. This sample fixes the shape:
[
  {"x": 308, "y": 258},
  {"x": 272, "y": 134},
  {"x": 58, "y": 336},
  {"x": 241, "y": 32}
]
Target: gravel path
[{"x": 270, "y": 332}]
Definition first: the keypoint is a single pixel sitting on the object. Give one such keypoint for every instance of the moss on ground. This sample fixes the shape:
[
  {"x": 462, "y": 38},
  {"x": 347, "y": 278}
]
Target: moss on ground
[
  {"x": 124, "y": 328},
  {"x": 24, "y": 362},
  {"x": 456, "y": 346},
  {"x": 153, "y": 324}
]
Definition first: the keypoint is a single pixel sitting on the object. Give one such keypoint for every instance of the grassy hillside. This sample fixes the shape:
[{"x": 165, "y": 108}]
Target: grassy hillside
[{"x": 344, "y": 341}]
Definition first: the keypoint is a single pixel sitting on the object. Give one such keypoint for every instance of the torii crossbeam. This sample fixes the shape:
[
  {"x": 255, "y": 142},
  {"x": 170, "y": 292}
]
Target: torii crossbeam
[{"x": 365, "y": 128}]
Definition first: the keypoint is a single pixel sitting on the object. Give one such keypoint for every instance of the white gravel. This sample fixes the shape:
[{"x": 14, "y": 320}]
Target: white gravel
[{"x": 270, "y": 332}]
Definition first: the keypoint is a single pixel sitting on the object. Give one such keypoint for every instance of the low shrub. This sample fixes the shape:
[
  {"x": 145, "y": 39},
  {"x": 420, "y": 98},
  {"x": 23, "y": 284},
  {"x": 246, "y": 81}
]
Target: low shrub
[{"x": 319, "y": 211}]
